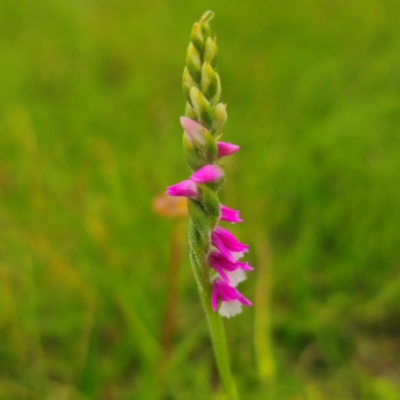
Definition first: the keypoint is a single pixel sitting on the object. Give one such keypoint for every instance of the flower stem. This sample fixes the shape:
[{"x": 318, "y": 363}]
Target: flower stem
[{"x": 216, "y": 328}]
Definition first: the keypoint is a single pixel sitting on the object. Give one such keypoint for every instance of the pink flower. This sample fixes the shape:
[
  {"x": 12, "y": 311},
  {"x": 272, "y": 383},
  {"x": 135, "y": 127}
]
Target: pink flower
[
  {"x": 209, "y": 173},
  {"x": 183, "y": 189},
  {"x": 227, "y": 244},
  {"x": 226, "y": 149},
  {"x": 232, "y": 272},
  {"x": 229, "y": 215},
  {"x": 195, "y": 131},
  {"x": 231, "y": 299}
]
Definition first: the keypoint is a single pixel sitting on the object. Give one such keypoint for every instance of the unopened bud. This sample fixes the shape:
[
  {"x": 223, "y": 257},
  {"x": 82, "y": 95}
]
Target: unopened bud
[
  {"x": 200, "y": 147},
  {"x": 189, "y": 112},
  {"x": 207, "y": 174},
  {"x": 195, "y": 131},
  {"x": 207, "y": 17},
  {"x": 187, "y": 83},
  {"x": 211, "y": 52},
  {"x": 226, "y": 149},
  {"x": 220, "y": 117},
  {"x": 193, "y": 62},
  {"x": 197, "y": 37},
  {"x": 201, "y": 107},
  {"x": 209, "y": 82},
  {"x": 211, "y": 204},
  {"x": 186, "y": 188},
  {"x": 204, "y": 21}
]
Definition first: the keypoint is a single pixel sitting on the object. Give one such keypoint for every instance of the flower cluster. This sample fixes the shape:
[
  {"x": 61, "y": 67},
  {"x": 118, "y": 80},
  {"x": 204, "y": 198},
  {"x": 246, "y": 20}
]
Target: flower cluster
[{"x": 224, "y": 250}]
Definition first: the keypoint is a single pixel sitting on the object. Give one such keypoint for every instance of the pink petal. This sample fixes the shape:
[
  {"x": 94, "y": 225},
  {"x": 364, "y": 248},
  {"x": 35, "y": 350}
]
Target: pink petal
[
  {"x": 220, "y": 245},
  {"x": 226, "y": 149},
  {"x": 209, "y": 173},
  {"x": 229, "y": 240},
  {"x": 184, "y": 189},
  {"x": 194, "y": 130},
  {"x": 217, "y": 260},
  {"x": 244, "y": 301},
  {"x": 245, "y": 266},
  {"x": 229, "y": 215},
  {"x": 226, "y": 292}
]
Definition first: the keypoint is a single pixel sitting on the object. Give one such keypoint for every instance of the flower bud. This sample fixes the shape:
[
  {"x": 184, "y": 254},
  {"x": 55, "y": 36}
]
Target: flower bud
[
  {"x": 195, "y": 132},
  {"x": 210, "y": 203},
  {"x": 200, "y": 147},
  {"x": 220, "y": 117},
  {"x": 189, "y": 112},
  {"x": 211, "y": 52},
  {"x": 226, "y": 149},
  {"x": 187, "y": 83},
  {"x": 209, "y": 173},
  {"x": 201, "y": 107},
  {"x": 230, "y": 215},
  {"x": 210, "y": 83},
  {"x": 207, "y": 17},
  {"x": 197, "y": 37},
  {"x": 202, "y": 222},
  {"x": 204, "y": 21},
  {"x": 193, "y": 62},
  {"x": 186, "y": 188}
]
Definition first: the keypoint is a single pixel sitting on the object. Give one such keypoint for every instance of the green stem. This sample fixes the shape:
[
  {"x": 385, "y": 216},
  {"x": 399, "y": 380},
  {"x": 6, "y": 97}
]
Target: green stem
[{"x": 201, "y": 272}]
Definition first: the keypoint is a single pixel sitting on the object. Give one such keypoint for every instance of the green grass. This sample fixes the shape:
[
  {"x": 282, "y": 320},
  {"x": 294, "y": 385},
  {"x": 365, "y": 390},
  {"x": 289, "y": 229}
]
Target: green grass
[{"x": 89, "y": 133}]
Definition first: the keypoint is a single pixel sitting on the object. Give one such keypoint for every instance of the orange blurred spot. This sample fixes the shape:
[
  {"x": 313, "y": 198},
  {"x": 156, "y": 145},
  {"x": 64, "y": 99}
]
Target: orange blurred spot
[{"x": 170, "y": 207}]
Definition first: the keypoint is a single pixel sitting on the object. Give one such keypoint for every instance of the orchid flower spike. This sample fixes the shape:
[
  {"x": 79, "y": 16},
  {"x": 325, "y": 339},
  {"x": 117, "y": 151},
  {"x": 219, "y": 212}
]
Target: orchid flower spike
[{"x": 214, "y": 250}]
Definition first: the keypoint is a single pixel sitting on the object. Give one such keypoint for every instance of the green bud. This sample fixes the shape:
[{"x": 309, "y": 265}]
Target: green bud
[
  {"x": 197, "y": 37},
  {"x": 193, "y": 62},
  {"x": 200, "y": 220},
  {"x": 199, "y": 247},
  {"x": 220, "y": 117},
  {"x": 201, "y": 150},
  {"x": 209, "y": 82},
  {"x": 187, "y": 83},
  {"x": 201, "y": 107},
  {"x": 211, "y": 204},
  {"x": 218, "y": 94},
  {"x": 211, "y": 52},
  {"x": 207, "y": 17},
  {"x": 204, "y": 21},
  {"x": 189, "y": 112}
]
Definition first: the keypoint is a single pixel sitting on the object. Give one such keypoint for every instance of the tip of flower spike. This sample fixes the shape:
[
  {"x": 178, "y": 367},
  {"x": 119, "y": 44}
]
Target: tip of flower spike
[{"x": 207, "y": 16}]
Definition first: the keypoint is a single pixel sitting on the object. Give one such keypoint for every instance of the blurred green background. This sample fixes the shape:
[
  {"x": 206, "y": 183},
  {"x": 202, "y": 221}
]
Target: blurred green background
[{"x": 90, "y": 95}]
